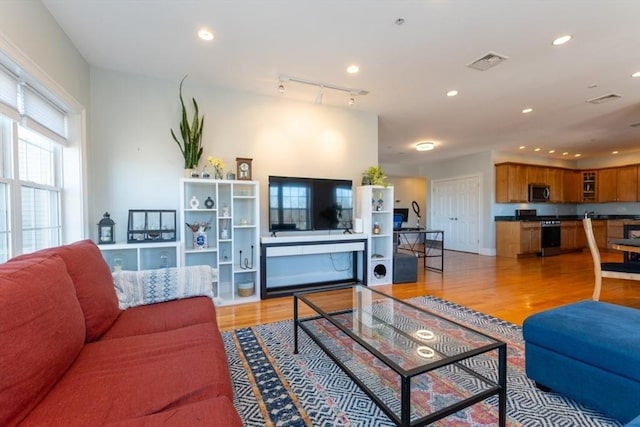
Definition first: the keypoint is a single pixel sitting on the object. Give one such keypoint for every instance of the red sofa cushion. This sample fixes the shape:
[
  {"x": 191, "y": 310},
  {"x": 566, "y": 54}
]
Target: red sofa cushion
[
  {"x": 117, "y": 379},
  {"x": 93, "y": 281},
  {"x": 165, "y": 316},
  {"x": 215, "y": 412},
  {"x": 41, "y": 332}
]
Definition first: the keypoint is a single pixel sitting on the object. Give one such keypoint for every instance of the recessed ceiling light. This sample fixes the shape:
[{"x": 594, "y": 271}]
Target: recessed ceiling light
[
  {"x": 205, "y": 34},
  {"x": 636, "y": 74},
  {"x": 353, "y": 69},
  {"x": 565, "y": 153},
  {"x": 452, "y": 93},
  {"x": 522, "y": 147},
  {"x": 527, "y": 110},
  {"x": 615, "y": 152},
  {"x": 577, "y": 155},
  {"x": 561, "y": 40},
  {"x": 536, "y": 149},
  {"x": 425, "y": 146},
  {"x": 552, "y": 151},
  {"x": 399, "y": 21}
]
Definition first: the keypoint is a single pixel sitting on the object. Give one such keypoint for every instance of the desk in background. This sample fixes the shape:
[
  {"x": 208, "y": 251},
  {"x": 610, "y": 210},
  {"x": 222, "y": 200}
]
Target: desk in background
[{"x": 425, "y": 244}]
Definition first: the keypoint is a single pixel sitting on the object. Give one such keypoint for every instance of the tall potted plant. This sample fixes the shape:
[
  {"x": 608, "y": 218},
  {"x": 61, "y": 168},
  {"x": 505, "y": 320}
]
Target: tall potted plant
[{"x": 191, "y": 135}]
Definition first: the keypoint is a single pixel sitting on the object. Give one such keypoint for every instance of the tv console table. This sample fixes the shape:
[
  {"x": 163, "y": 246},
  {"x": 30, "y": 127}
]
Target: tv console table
[{"x": 290, "y": 263}]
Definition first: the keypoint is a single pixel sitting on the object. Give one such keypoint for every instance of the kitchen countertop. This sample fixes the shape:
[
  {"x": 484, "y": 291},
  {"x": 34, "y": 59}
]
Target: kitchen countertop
[{"x": 564, "y": 217}]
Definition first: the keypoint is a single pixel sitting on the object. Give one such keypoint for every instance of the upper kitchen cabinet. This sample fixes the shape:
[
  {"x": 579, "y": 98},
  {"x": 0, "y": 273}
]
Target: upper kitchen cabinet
[
  {"x": 513, "y": 179},
  {"x": 537, "y": 175},
  {"x": 511, "y": 183},
  {"x": 617, "y": 184},
  {"x": 556, "y": 185},
  {"x": 571, "y": 186}
]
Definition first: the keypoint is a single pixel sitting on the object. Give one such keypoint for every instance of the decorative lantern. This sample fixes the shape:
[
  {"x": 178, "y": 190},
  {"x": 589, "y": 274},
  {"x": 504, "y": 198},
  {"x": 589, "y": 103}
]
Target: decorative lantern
[{"x": 105, "y": 229}]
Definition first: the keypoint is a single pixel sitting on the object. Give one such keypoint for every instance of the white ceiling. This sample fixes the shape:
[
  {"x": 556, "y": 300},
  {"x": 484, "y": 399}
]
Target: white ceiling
[{"x": 407, "y": 69}]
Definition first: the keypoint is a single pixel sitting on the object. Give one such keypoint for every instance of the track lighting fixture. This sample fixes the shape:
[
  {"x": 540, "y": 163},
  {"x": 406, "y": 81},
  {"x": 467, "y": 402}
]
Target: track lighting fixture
[{"x": 353, "y": 92}]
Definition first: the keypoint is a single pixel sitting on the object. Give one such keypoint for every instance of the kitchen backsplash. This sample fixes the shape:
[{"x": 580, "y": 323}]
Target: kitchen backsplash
[{"x": 544, "y": 209}]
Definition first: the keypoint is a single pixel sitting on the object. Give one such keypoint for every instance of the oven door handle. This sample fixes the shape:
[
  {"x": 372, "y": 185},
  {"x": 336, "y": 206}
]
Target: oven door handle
[{"x": 547, "y": 193}]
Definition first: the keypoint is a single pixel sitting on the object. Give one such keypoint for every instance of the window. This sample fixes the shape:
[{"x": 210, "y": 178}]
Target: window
[{"x": 32, "y": 138}]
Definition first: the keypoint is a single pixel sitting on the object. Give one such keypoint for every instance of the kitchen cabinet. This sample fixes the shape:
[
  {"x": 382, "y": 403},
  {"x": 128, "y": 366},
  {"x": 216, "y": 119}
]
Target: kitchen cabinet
[
  {"x": 606, "y": 185},
  {"x": 627, "y": 184},
  {"x": 517, "y": 238},
  {"x": 600, "y": 233},
  {"x": 511, "y": 183},
  {"x": 615, "y": 229},
  {"x": 589, "y": 179},
  {"x": 536, "y": 175},
  {"x": 572, "y": 235},
  {"x": 555, "y": 182},
  {"x": 571, "y": 186},
  {"x": 530, "y": 233},
  {"x": 618, "y": 184}
]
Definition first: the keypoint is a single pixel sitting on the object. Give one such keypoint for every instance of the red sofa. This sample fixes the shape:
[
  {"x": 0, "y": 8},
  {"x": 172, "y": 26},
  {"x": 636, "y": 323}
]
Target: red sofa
[{"x": 70, "y": 357}]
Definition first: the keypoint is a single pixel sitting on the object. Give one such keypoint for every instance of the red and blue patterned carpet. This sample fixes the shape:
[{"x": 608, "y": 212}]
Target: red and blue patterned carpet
[{"x": 274, "y": 387}]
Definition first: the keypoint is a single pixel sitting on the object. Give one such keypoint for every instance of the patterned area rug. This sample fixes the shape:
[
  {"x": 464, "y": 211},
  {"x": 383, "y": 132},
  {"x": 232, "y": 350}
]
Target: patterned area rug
[{"x": 274, "y": 387}]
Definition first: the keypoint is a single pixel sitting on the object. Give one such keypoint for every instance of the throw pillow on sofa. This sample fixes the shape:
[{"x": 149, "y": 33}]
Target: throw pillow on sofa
[{"x": 135, "y": 288}]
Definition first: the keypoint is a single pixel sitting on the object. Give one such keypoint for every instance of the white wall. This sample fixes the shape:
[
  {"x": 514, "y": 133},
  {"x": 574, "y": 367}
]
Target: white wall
[
  {"x": 137, "y": 165},
  {"x": 45, "y": 57},
  {"x": 480, "y": 164}
]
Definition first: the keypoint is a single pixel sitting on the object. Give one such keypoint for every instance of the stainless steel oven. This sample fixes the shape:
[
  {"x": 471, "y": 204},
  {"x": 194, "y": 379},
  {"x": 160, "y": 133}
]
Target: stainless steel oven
[{"x": 550, "y": 238}]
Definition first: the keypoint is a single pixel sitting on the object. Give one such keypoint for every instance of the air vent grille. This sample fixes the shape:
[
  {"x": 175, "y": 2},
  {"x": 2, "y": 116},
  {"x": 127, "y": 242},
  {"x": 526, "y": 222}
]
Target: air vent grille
[
  {"x": 605, "y": 98},
  {"x": 487, "y": 61}
]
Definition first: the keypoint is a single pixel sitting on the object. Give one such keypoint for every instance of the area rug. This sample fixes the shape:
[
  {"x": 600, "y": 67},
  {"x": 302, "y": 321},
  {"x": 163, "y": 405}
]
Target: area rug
[{"x": 274, "y": 387}]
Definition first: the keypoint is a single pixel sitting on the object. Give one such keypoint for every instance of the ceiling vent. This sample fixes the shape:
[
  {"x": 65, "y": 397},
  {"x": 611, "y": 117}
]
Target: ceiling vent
[
  {"x": 489, "y": 60},
  {"x": 605, "y": 98}
]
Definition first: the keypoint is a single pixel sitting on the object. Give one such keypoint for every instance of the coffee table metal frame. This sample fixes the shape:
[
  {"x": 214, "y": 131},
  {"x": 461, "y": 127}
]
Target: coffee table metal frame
[{"x": 499, "y": 388}]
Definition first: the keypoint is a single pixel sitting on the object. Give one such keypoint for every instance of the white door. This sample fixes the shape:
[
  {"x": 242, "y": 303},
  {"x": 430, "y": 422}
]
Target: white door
[{"x": 455, "y": 209}]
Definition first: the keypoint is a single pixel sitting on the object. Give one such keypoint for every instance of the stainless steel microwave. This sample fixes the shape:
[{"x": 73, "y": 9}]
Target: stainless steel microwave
[{"x": 539, "y": 193}]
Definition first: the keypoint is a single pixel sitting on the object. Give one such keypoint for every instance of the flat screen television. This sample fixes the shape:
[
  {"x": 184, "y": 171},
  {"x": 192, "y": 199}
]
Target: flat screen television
[{"x": 304, "y": 204}]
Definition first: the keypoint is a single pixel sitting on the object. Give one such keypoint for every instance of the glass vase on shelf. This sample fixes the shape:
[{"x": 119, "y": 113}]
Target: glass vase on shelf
[{"x": 218, "y": 174}]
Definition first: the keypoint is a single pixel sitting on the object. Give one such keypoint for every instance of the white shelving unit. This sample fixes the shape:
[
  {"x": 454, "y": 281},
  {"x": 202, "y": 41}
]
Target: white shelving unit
[
  {"x": 374, "y": 205},
  {"x": 233, "y": 239},
  {"x": 141, "y": 256}
]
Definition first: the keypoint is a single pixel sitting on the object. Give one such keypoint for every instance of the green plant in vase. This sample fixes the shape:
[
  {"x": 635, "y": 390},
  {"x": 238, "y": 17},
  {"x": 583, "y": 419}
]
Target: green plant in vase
[
  {"x": 375, "y": 176},
  {"x": 190, "y": 142}
]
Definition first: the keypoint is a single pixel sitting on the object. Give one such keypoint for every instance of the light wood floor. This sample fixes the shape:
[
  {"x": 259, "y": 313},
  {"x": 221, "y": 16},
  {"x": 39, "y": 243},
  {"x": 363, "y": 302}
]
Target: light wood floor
[{"x": 506, "y": 288}]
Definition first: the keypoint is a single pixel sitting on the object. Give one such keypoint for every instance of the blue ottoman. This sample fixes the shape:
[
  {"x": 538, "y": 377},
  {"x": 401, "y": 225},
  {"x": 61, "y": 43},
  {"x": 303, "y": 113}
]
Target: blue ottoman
[{"x": 589, "y": 351}]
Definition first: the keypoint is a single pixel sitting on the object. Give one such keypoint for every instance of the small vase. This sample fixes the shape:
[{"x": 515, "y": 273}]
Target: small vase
[
  {"x": 218, "y": 173},
  {"x": 187, "y": 172},
  {"x": 200, "y": 240}
]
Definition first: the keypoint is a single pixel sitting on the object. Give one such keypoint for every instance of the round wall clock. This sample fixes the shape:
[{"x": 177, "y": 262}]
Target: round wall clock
[{"x": 244, "y": 168}]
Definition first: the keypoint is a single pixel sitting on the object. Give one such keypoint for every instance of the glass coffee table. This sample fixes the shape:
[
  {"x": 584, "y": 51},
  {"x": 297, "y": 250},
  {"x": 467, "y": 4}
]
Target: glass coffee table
[{"x": 418, "y": 367}]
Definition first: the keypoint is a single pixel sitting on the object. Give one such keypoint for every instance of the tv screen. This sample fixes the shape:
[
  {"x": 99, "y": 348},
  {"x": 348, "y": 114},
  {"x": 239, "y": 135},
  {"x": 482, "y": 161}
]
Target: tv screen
[{"x": 303, "y": 204}]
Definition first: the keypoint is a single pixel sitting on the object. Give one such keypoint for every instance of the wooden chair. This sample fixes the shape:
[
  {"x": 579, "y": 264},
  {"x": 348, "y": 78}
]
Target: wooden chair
[{"x": 613, "y": 270}]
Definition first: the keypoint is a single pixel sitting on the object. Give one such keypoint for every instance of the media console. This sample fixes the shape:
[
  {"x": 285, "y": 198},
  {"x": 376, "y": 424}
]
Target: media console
[{"x": 290, "y": 263}]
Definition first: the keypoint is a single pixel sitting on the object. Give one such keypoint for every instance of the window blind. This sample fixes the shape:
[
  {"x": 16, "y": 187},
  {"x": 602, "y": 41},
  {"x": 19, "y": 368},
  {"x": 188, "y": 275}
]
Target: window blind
[
  {"x": 41, "y": 115},
  {"x": 9, "y": 94}
]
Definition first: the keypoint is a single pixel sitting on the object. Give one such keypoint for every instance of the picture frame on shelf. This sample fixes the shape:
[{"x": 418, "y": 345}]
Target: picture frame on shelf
[{"x": 151, "y": 225}]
